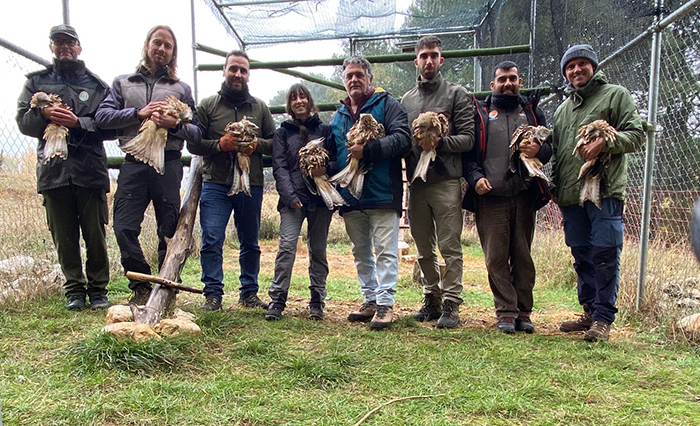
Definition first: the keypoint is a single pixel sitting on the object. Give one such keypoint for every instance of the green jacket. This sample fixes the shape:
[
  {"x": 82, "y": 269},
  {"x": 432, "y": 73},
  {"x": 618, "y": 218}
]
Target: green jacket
[
  {"x": 213, "y": 114},
  {"x": 596, "y": 100},
  {"x": 441, "y": 96}
]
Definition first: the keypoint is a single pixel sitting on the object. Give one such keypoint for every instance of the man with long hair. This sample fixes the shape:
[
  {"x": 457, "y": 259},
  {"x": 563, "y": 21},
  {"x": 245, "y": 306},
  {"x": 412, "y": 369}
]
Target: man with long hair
[{"x": 133, "y": 99}]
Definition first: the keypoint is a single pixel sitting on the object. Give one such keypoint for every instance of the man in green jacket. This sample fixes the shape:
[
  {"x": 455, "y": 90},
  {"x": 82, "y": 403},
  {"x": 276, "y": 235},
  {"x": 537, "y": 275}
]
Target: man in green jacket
[
  {"x": 435, "y": 205},
  {"x": 219, "y": 151},
  {"x": 594, "y": 235}
]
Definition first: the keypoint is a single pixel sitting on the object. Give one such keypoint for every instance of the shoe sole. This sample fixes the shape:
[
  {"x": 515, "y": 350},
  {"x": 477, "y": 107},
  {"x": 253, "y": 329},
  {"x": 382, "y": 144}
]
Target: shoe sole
[
  {"x": 272, "y": 318},
  {"x": 593, "y": 339},
  {"x": 358, "y": 318},
  {"x": 506, "y": 331},
  {"x": 428, "y": 318},
  {"x": 379, "y": 326},
  {"x": 447, "y": 326}
]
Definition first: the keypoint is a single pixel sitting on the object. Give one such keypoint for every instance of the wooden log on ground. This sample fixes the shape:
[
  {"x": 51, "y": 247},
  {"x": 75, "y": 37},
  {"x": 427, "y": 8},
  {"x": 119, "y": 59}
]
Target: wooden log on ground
[
  {"x": 162, "y": 281},
  {"x": 179, "y": 248}
]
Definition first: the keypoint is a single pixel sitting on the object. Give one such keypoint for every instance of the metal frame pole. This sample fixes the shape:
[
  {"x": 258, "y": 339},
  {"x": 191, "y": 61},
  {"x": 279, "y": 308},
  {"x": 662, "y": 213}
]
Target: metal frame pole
[
  {"x": 533, "y": 29},
  {"x": 66, "y": 12},
  {"x": 194, "y": 55},
  {"x": 477, "y": 62},
  {"x": 649, "y": 158}
]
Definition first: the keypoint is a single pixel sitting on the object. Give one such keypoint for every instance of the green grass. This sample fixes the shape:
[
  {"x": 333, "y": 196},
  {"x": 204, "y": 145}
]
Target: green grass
[{"x": 57, "y": 369}]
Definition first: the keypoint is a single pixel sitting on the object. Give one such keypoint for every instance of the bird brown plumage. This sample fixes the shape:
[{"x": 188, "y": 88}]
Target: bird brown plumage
[
  {"x": 525, "y": 135},
  {"x": 246, "y": 131},
  {"x": 148, "y": 145},
  {"x": 428, "y": 128},
  {"x": 353, "y": 175},
  {"x": 591, "y": 172},
  {"x": 55, "y": 135},
  {"x": 311, "y": 156}
]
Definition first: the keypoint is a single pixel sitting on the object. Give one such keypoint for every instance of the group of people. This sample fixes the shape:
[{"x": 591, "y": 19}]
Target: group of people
[{"x": 476, "y": 148}]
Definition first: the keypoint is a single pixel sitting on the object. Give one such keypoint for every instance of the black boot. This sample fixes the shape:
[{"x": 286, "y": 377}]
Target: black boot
[
  {"x": 450, "y": 315},
  {"x": 431, "y": 309}
]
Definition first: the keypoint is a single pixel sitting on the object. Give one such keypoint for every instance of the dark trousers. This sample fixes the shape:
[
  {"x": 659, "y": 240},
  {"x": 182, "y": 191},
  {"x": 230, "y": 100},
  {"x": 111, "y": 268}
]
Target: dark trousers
[
  {"x": 506, "y": 227},
  {"x": 595, "y": 237},
  {"x": 215, "y": 208},
  {"x": 318, "y": 219},
  {"x": 137, "y": 186},
  {"x": 70, "y": 211}
]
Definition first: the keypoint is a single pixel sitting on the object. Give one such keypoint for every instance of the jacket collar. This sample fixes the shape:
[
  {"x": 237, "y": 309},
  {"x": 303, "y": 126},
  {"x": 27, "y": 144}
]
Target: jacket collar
[
  {"x": 310, "y": 123},
  {"x": 580, "y": 94},
  {"x": 68, "y": 67},
  {"x": 143, "y": 72},
  {"x": 429, "y": 85},
  {"x": 378, "y": 94}
]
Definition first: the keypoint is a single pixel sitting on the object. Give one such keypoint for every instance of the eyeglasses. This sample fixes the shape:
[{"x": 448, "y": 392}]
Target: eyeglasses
[{"x": 70, "y": 42}]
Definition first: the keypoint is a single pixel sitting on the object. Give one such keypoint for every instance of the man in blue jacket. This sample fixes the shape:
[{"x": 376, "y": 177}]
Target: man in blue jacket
[
  {"x": 73, "y": 188},
  {"x": 373, "y": 220}
]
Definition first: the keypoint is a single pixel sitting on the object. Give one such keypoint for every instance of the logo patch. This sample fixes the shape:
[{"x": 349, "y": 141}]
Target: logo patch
[
  {"x": 83, "y": 96},
  {"x": 493, "y": 115}
]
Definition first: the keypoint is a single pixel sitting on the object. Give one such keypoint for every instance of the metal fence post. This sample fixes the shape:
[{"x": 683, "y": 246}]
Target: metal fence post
[
  {"x": 653, "y": 100},
  {"x": 194, "y": 55},
  {"x": 66, "y": 12}
]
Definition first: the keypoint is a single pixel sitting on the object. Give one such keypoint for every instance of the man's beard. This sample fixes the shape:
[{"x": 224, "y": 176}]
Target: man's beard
[{"x": 229, "y": 85}]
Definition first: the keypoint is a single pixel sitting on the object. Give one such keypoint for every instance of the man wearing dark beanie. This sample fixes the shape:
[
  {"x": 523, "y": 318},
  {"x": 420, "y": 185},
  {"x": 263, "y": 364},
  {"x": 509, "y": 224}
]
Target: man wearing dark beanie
[{"x": 594, "y": 234}]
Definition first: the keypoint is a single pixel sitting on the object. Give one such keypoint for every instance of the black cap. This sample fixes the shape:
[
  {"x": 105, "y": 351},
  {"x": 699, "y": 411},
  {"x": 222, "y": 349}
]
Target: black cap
[{"x": 65, "y": 30}]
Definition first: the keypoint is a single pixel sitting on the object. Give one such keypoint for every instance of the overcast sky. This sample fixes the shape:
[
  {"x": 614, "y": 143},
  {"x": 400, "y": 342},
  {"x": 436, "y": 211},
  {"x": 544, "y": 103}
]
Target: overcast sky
[{"x": 112, "y": 35}]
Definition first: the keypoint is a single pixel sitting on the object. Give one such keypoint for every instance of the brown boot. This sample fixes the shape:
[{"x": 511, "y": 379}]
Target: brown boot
[
  {"x": 365, "y": 313},
  {"x": 583, "y": 323},
  {"x": 382, "y": 318},
  {"x": 600, "y": 330}
]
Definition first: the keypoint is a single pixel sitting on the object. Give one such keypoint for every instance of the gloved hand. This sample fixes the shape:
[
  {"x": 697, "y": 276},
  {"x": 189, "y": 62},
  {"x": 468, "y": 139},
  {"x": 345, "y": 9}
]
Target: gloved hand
[
  {"x": 229, "y": 142},
  {"x": 247, "y": 148}
]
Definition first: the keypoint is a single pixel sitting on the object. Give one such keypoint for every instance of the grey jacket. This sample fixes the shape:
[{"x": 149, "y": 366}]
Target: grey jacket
[
  {"x": 452, "y": 100},
  {"x": 131, "y": 92}
]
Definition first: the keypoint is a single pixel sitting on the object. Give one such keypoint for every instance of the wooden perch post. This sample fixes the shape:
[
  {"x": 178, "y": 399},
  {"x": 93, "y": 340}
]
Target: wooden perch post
[{"x": 179, "y": 248}]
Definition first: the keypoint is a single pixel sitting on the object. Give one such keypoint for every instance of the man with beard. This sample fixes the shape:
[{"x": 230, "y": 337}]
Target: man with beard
[
  {"x": 73, "y": 188},
  {"x": 435, "y": 206},
  {"x": 133, "y": 99},
  {"x": 503, "y": 202},
  {"x": 219, "y": 150}
]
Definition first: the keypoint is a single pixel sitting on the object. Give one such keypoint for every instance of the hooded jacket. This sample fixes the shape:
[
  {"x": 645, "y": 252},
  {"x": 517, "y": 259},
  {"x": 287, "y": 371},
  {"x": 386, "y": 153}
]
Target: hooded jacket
[
  {"x": 452, "y": 100},
  {"x": 596, "y": 100},
  {"x": 288, "y": 140},
  {"x": 79, "y": 88},
  {"x": 383, "y": 186},
  {"x": 213, "y": 114}
]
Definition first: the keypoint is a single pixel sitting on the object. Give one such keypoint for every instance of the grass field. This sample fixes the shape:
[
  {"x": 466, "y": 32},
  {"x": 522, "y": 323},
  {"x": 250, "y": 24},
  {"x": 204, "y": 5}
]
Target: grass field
[{"x": 57, "y": 369}]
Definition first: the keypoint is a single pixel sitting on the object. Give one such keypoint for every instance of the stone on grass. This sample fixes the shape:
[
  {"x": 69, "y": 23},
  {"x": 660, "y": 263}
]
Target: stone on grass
[
  {"x": 131, "y": 330},
  {"x": 119, "y": 313},
  {"x": 690, "y": 324},
  {"x": 177, "y": 327},
  {"x": 179, "y": 313}
]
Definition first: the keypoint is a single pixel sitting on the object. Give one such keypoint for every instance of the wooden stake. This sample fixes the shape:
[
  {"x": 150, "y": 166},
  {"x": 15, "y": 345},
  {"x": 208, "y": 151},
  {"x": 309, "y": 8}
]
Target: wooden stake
[{"x": 391, "y": 402}]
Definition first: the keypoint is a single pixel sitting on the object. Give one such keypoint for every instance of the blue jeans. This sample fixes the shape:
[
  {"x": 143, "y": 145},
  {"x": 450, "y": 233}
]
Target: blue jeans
[
  {"x": 378, "y": 230},
  {"x": 215, "y": 209},
  {"x": 595, "y": 237}
]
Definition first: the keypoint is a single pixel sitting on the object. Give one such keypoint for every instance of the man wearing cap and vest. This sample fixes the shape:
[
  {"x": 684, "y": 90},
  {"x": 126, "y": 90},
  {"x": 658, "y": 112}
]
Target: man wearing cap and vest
[
  {"x": 73, "y": 189},
  {"x": 594, "y": 234}
]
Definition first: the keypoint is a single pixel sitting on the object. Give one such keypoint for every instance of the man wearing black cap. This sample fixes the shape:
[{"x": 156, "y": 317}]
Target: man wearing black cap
[
  {"x": 73, "y": 188},
  {"x": 594, "y": 234}
]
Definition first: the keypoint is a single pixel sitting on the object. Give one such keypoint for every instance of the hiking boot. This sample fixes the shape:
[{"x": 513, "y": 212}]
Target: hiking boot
[
  {"x": 316, "y": 313},
  {"x": 382, "y": 318},
  {"x": 431, "y": 309},
  {"x": 365, "y": 313},
  {"x": 450, "y": 315},
  {"x": 583, "y": 323},
  {"x": 140, "y": 297},
  {"x": 274, "y": 313},
  {"x": 76, "y": 302},
  {"x": 99, "y": 303},
  {"x": 600, "y": 330},
  {"x": 506, "y": 325},
  {"x": 523, "y": 323},
  {"x": 211, "y": 304},
  {"x": 252, "y": 301}
]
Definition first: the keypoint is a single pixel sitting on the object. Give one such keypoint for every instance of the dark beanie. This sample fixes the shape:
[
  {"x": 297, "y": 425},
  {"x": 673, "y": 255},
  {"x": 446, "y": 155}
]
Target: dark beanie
[{"x": 579, "y": 51}]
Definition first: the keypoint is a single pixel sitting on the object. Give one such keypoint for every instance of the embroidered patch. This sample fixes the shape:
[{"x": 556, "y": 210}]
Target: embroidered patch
[
  {"x": 84, "y": 96},
  {"x": 493, "y": 115}
]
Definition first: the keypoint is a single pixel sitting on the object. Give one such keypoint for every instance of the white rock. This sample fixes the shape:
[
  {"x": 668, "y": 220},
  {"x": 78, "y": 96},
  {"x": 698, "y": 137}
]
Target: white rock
[
  {"x": 690, "y": 324},
  {"x": 119, "y": 313},
  {"x": 176, "y": 327},
  {"x": 131, "y": 330},
  {"x": 179, "y": 313}
]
